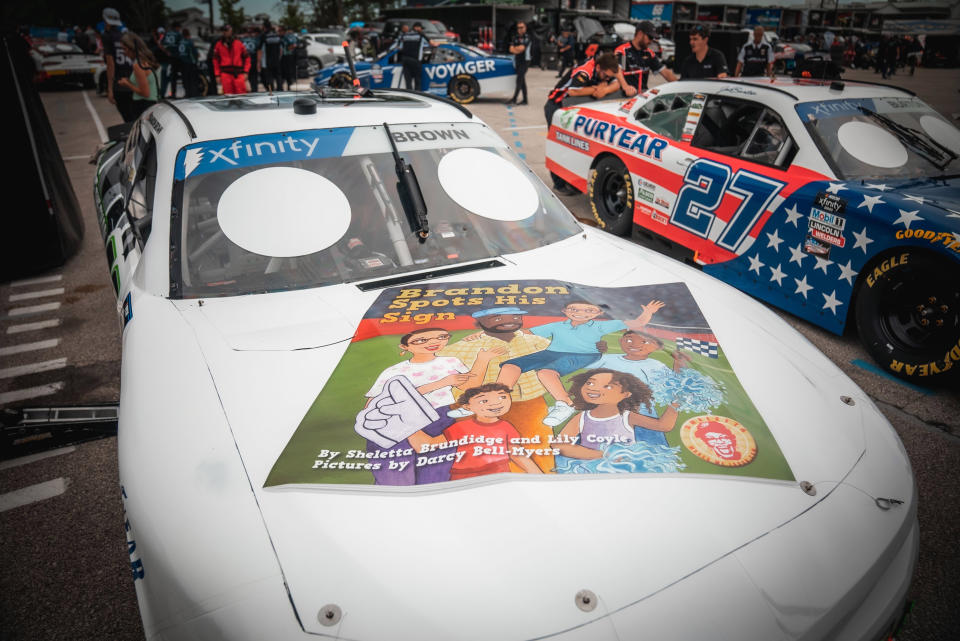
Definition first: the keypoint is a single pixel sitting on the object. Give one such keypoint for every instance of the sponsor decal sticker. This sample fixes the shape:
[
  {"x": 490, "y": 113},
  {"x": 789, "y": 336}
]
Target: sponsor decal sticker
[
  {"x": 719, "y": 440},
  {"x": 830, "y": 203},
  {"x": 577, "y": 143},
  {"x": 643, "y": 194},
  {"x": 660, "y": 218},
  {"x": 451, "y": 69},
  {"x": 660, "y": 202},
  {"x": 621, "y": 136}
]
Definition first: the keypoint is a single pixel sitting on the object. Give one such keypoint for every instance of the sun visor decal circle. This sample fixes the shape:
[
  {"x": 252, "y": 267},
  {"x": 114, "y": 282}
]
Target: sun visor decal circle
[
  {"x": 283, "y": 212},
  {"x": 505, "y": 193},
  {"x": 872, "y": 145},
  {"x": 942, "y": 131}
]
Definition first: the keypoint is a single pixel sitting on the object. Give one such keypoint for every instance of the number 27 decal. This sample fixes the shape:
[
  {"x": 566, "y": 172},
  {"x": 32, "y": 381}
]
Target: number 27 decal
[{"x": 704, "y": 186}]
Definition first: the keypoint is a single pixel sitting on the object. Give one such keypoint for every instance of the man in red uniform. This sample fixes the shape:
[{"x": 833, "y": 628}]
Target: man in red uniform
[{"x": 231, "y": 62}]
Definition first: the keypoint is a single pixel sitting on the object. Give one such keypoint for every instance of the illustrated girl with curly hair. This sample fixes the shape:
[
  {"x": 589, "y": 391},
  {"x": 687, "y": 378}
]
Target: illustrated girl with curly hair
[{"x": 608, "y": 401}]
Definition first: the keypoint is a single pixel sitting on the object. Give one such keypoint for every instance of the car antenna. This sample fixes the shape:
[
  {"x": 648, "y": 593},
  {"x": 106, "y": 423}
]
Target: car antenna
[
  {"x": 357, "y": 89},
  {"x": 410, "y": 195}
]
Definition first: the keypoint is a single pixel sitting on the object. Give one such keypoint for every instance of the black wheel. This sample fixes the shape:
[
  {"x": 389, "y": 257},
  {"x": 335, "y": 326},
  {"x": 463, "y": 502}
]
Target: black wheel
[
  {"x": 341, "y": 80},
  {"x": 314, "y": 65},
  {"x": 908, "y": 315},
  {"x": 463, "y": 88},
  {"x": 610, "y": 189}
]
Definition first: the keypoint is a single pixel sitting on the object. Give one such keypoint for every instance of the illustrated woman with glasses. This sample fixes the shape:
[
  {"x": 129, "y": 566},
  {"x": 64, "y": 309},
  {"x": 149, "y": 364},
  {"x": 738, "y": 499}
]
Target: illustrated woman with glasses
[{"x": 434, "y": 377}]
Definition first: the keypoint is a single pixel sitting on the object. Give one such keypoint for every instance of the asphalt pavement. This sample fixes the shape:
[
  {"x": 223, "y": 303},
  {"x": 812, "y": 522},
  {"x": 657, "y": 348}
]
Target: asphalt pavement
[{"x": 65, "y": 571}]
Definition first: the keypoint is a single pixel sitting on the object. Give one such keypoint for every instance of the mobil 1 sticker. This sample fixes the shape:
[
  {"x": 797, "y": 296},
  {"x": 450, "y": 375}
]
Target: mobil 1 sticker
[
  {"x": 827, "y": 218},
  {"x": 830, "y": 202}
]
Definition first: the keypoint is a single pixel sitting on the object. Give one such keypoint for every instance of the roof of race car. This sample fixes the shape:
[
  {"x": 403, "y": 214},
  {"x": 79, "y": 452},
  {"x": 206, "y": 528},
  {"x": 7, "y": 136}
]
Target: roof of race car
[
  {"x": 800, "y": 89},
  {"x": 218, "y": 117}
]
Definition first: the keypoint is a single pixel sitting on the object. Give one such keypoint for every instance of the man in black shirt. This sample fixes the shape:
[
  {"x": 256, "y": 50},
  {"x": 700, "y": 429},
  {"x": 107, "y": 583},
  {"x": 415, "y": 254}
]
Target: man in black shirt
[
  {"x": 756, "y": 56},
  {"x": 412, "y": 45},
  {"x": 703, "y": 62},
  {"x": 118, "y": 65},
  {"x": 271, "y": 43},
  {"x": 637, "y": 60},
  {"x": 520, "y": 48}
]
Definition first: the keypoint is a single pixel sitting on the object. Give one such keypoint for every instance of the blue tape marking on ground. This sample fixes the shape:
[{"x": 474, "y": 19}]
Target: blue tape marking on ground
[
  {"x": 873, "y": 369},
  {"x": 522, "y": 156},
  {"x": 515, "y": 134},
  {"x": 518, "y": 144}
]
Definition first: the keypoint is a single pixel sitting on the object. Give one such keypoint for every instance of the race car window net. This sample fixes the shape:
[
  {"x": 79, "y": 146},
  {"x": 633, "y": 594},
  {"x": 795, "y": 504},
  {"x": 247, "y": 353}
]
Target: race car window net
[
  {"x": 908, "y": 139},
  {"x": 378, "y": 241},
  {"x": 744, "y": 129}
]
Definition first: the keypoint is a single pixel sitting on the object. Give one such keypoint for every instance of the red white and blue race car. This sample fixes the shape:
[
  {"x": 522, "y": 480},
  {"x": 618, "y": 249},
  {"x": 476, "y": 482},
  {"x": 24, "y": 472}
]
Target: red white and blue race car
[{"x": 838, "y": 202}]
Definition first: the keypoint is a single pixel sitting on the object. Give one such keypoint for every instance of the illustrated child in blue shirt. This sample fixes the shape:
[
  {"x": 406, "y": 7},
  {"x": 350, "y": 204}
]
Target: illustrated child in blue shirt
[{"x": 573, "y": 346}]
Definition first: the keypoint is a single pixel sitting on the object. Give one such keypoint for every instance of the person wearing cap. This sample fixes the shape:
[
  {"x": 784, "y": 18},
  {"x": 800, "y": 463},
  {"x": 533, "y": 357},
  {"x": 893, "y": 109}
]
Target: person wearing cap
[
  {"x": 231, "y": 62},
  {"x": 412, "y": 45},
  {"x": 637, "y": 60},
  {"x": 520, "y": 47},
  {"x": 118, "y": 65},
  {"x": 755, "y": 57},
  {"x": 703, "y": 61},
  {"x": 566, "y": 47},
  {"x": 503, "y": 327}
]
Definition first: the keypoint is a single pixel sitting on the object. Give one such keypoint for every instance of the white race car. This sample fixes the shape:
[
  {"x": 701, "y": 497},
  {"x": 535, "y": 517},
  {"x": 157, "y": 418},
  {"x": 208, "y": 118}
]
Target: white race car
[
  {"x": 378, "y": 383},
  {"x": 61, "y": 62}
]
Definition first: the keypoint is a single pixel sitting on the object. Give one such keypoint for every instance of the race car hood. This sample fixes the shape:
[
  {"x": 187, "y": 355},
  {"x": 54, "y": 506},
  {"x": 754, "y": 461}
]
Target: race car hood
[
  {"x": 938, "y": 199},
  {"x": 434, "y": 561}
]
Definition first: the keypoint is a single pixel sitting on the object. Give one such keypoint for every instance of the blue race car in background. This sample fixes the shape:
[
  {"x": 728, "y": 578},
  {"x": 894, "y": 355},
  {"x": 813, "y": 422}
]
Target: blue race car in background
[{"x": 459, "y": 71}]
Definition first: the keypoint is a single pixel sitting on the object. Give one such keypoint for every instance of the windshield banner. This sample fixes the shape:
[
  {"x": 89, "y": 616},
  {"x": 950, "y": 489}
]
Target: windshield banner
[{"x": 466, "y": 380}]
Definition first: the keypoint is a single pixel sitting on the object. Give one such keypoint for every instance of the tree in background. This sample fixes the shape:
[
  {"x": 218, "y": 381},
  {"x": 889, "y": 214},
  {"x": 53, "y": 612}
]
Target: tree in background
[
  {"x": 231, "y": 15},
  {"x": 139, "y": 15},
  {"x": 292, "y": 18}
]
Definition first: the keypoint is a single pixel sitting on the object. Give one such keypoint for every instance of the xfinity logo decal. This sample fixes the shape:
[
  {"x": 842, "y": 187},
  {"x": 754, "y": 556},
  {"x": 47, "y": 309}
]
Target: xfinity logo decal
[
  {"x": 259, "y": 150},
  {"x": 451, "y": 69},
  {"x": 621, "y": 136}
]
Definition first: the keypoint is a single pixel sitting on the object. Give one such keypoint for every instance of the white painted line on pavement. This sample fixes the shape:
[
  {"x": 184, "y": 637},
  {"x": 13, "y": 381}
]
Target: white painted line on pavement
[
  {"x": 37, "y": 281},
  {"x": 46, "y": 292},
  {"x": 30, "y": 392},
  {"x": 524, "y": 127},
  {"x": 29, "y": 347},
  {"x": 33, "y": 368},
  {"x": 33, "y": 309},
  {"x": 96, "y": 118},
  {"x": 76, "y": 157},
  {"x": 33, "y": 458},
  {"x": 31, "y": 327},
  {"x": 32, "y": 494}
]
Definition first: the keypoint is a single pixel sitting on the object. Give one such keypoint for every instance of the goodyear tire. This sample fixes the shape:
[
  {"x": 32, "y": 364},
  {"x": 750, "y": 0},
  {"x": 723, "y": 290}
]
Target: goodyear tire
[
  {"x": 908, "y": 315},
  {"x": 463, "y": 88},
  {"x": 610, "y": 190},
  {"x": 341, "y": 80}
]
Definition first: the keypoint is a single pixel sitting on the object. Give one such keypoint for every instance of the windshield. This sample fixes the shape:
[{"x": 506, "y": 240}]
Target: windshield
[
  {"x": 870, "y": 138},
  {"x": 322, "y": 207},
  {"x": 475, "y": 51}
]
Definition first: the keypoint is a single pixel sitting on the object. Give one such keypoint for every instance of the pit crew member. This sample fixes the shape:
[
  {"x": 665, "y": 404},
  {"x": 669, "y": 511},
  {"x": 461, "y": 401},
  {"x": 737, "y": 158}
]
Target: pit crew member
[
  {"x": 412, "y": 45},
  {"x": 520, "y": 48},
  {"x": 596, "y": 78},
  {"x": 231, "y": 62},
  {"x": 637, "y": 60},
  {"x": 755, "y": 57},
  {"x": 703, "y": 61}
]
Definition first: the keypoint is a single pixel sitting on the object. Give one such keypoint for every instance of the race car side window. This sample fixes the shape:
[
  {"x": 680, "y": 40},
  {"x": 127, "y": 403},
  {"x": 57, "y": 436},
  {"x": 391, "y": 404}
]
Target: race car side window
[
  {"x": 142, "y": 192},
  {"x": 726, "y": 124},
  {"x": 770, "y": 143},
  {"x": 445, "y": 54},
  {"x": 665, "y": 114}
]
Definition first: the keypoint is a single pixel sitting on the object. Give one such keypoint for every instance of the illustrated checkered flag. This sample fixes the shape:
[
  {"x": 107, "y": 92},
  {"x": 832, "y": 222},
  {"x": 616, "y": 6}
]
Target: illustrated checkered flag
[{"x": 704, "y": 348}]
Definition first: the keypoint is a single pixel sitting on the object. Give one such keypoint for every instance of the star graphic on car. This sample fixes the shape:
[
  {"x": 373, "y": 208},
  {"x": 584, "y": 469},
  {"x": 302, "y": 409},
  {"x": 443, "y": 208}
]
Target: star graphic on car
[
  {"x": 846, "y": 273},
  {"x": 802, "y": 286},
  {"x": 822, "y": 263},
  {"x": 862, "y": 240},
  {"x": 755, "y": 264},
  {"x": 775, "y": 241},
  {"x": 836, "y": 188},
  {"x": 870, "y": 201},
  {"x": 831, "y": 301},
  {"x": 877, "y": 187},
  {"x": 797, "y": 255},
  {"x": 777, "y": 275},
  {"x": 907, "y": 217},
  {"x": 793, "y": 214}
]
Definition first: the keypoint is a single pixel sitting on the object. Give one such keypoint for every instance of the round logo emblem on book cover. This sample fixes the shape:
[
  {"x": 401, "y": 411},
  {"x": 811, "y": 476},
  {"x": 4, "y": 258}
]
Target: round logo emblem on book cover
[{"x": 719, "y": 440}]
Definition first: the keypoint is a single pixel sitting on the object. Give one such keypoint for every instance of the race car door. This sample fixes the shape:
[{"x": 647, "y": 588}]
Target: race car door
[{"x": 731, "y": 163}]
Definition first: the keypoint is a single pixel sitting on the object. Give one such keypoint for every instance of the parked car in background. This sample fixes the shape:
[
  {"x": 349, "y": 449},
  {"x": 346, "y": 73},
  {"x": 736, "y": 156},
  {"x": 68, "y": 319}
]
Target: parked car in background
[
  {"x": 391, "y": 28},
  {"x": 66, "y": 63},
  {"x": 838, "y": 202},
  {"x": 451, "y": 36},
  {"x": 460, "y": 72},
  {"x": 323, "y": 49}
]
